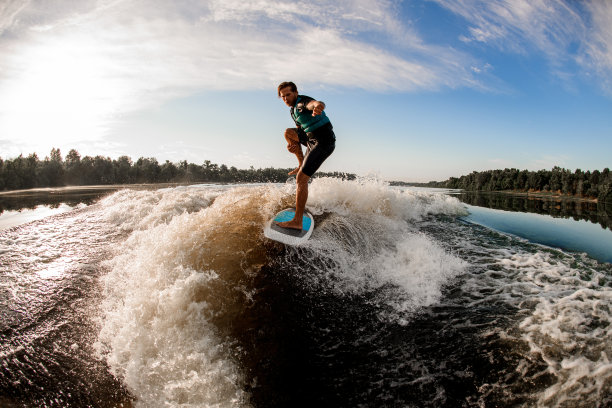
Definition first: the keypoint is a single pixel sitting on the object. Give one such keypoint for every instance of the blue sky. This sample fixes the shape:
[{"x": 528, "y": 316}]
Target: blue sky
[{"x": 416, "y": 90}]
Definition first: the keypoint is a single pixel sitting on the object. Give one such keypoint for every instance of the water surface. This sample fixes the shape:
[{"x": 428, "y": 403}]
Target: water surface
[
  {"x": 160, "y": 298},
  {"x": 563, "y": 233}
]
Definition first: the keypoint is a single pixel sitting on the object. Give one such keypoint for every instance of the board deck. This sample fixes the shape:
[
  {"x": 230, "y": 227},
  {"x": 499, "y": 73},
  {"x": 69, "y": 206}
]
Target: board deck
[{"x": 287, "y": 235}]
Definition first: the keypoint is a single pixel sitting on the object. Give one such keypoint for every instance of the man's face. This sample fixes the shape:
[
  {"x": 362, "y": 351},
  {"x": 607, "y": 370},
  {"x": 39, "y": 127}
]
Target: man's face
[{"x": 288, "y": 96}]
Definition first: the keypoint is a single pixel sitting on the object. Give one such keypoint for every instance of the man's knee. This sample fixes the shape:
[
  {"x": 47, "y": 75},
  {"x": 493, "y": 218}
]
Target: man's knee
[
  {"x": 302, "y": 179},
  {"x": 291, "y": 135}
]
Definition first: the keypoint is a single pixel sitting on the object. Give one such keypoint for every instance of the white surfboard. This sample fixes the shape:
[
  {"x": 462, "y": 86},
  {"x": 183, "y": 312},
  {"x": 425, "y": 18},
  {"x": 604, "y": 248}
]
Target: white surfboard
[{"x": 287, "y": 235}]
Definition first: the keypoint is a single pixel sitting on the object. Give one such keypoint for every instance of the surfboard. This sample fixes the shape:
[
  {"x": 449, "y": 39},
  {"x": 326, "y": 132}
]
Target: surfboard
[{"x": 287, "y": 235}]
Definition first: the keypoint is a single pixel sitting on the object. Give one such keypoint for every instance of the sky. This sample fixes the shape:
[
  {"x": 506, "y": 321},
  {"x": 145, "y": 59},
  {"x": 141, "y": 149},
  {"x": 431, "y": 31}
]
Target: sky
[{"x": 416, "y": 90}]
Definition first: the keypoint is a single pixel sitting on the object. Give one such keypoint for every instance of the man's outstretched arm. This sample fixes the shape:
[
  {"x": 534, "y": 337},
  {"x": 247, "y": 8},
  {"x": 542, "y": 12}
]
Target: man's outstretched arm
[{"x": 316, "y": 107}]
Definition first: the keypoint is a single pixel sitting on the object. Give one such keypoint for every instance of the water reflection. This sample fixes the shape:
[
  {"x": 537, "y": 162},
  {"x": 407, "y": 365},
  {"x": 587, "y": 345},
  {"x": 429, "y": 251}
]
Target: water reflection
[
  {"x": 563, "y": 233},
  {"x": 71, "y": 196},
  {"x": 52, "y": 198},
  {"x": 23, "y": 206},
  {"x": 597, "y": 213}
]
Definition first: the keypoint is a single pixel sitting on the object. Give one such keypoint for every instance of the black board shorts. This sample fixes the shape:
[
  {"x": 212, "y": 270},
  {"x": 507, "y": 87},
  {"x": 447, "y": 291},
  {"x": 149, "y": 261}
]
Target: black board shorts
[{"x": 320, "y": 144}]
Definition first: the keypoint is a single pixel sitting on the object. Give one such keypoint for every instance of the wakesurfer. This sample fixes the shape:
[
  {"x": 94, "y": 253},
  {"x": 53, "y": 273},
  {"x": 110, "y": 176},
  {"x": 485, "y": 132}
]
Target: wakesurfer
[{"x": 313, "y": 130}]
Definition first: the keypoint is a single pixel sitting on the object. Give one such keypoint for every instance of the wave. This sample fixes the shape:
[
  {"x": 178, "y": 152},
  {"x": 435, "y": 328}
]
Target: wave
[
  {"x": 550, "y": 319},
  {"x": 182, "y": 287},
  {"x": 568, "y": 327}
]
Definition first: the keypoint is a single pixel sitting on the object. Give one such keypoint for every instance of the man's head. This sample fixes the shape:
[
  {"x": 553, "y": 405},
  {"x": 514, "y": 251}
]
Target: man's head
[{"x": 287, "y": 91}]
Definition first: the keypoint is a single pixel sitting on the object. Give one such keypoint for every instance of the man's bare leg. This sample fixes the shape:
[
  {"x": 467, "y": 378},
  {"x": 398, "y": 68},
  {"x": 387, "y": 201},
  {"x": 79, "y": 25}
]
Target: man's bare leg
[
  {"x": 293, "y": 145},
  {"x": 301, "y": 196}
]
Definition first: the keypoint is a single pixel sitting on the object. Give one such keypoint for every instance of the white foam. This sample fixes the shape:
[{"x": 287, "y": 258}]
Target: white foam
[
  {"x": 138, "y": 209},
  {"x": 158, "y": 339},
  {"x": 157, "y": 334},
  {"x": 372, "y": 196},
  {"x": 190, "y": 248},
  {"x": 374, "y": 244},
  {"x": 569, "y": 326},
  {"x": 421, "y": 268}
]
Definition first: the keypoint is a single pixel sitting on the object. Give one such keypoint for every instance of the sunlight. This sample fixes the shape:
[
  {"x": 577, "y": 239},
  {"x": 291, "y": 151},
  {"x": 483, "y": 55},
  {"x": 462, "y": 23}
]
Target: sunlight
[{"x": 64, "y": 95}]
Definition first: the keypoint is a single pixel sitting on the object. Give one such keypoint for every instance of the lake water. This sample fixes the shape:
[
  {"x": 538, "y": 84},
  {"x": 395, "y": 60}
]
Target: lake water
[
  {"x": 567, "y": 224},
  {"x": 168, "y": 297},
  {"x": 566, "y": 234}
]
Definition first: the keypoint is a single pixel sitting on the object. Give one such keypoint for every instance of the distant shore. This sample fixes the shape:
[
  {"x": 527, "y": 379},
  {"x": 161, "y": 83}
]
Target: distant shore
[{"x": 594, "y": 186}]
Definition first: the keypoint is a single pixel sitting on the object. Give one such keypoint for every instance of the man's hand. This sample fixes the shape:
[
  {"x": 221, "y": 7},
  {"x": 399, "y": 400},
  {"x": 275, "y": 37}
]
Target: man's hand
[{"x": 316, "y": 107}]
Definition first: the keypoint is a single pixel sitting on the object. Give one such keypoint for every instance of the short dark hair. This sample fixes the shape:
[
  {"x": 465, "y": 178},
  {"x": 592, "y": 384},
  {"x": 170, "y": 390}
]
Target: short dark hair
[{"x": 286, "y": 84}]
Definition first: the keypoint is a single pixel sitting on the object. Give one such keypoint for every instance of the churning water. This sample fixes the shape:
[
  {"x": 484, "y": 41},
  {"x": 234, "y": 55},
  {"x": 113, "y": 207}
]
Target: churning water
[{"x": 173, "y": 298}]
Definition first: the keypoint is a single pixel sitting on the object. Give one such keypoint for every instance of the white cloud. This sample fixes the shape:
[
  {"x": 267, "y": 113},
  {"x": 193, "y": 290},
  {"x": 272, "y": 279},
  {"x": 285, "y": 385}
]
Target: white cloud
[
  {"x": 563, "y": 31},
  {"x": 519, "y": 25},
  {"x": 9, "y": 10},
  {"x": 598, "y": 48},
  {"x": 77, "y": 66},
  {"x": 251, "y": 44}
]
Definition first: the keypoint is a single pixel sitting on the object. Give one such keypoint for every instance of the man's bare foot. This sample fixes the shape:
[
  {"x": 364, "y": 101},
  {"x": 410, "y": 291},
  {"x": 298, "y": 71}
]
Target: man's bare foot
[
  {"x": 293, "y": 224},
  {"x": 294, "y": 172}
]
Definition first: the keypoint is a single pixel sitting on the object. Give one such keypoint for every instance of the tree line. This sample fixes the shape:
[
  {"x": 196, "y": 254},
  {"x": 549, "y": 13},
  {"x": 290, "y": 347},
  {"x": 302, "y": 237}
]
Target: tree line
[
  {"x": 55, "y": 171},
  {"x": 596, "y": 184}
]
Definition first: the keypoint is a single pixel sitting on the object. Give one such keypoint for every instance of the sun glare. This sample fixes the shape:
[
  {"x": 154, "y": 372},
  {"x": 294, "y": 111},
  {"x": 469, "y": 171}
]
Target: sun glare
[{"x": 65, "y": 95}]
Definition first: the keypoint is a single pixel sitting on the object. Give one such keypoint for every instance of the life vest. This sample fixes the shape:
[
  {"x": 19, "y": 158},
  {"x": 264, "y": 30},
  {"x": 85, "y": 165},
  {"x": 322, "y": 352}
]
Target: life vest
[{"x": 302, "y": 116}]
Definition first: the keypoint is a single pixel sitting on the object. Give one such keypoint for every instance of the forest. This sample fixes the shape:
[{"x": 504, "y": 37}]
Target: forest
[
  {"x": 74, "y": 170},
  {"x": 587, "y": 184}
]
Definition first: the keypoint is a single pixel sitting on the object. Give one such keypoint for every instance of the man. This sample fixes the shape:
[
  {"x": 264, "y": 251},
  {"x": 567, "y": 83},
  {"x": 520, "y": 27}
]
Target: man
[{"x": 315, "y": 131}]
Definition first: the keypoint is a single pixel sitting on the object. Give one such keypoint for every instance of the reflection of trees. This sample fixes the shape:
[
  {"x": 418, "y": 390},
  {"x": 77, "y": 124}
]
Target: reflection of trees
[
  {"x": 595, "y": 212},
  {"x": 52, "y": 199}
]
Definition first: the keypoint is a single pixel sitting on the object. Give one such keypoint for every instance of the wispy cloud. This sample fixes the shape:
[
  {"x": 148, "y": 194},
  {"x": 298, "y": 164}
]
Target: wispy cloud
[
  {"x": 156, "y": 48},
  {"x": 246, "y": 44},
  {"x": 565, "y": 32},
  {"x": 519, "y": 25},
  {"x": 9, "y": 10},
  {"x": 78, "y": 65},
  {"x": 598, "y": 47}
]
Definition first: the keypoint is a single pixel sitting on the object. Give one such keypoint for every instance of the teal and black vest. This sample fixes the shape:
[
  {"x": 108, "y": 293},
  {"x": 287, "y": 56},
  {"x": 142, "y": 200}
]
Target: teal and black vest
[{"x": 303, "y": 117}]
